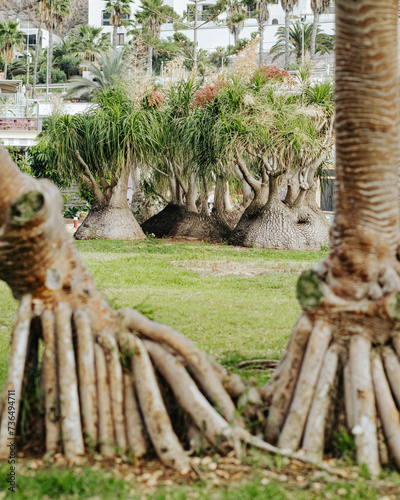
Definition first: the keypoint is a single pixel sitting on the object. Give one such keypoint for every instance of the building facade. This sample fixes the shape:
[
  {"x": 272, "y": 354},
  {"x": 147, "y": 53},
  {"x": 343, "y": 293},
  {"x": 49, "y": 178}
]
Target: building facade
[{"x": 216, "y": 33}]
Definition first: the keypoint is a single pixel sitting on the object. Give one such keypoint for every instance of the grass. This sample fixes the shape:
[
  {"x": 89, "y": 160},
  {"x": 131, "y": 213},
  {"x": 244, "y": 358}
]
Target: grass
[{"x": 205, "y": 292}]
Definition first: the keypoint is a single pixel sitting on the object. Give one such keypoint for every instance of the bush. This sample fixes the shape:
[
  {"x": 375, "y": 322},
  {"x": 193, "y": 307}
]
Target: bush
[{"x": 57, "y": 76}]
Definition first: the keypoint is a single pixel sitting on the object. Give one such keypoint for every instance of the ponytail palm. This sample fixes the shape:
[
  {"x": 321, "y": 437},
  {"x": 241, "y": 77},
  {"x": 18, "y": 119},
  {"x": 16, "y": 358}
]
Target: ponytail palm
[{"x": 99, "y": 147}]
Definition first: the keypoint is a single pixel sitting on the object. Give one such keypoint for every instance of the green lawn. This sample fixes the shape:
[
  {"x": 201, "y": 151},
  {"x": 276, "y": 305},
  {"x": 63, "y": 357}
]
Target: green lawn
[{"x": 232, "y": 302}]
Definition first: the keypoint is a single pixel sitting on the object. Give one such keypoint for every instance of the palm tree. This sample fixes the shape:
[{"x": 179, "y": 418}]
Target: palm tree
[
  {"x": 262, "y": 15},
  {"x": 323, "y": 42},
  {"x": 118, "y": 10},
  {"x": 318, "y": 7},
  {"x": 88, "y": 42},
  {"x": 236, "y": 15},
  {"x": 55, "y": 11},
  {"x": 287, "y": 6},
  {"x": 64, "y": 59},
  {"x": 152, "y": 14},
  {"x": 11, "y": 39},
  {"x": 99, "y": 147},
  {"x": 106, "y": 72}
]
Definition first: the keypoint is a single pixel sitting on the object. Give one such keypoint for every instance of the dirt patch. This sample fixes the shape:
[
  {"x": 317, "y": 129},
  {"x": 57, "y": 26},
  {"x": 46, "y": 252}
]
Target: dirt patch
[{"x": 221, "y": 268}]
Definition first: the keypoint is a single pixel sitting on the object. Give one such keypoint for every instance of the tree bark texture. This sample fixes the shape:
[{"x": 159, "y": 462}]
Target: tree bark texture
[
  {"x": 110, "y": 218},
  {"x": 296, "y": 223},
  {"x": 343, "y": 352}
]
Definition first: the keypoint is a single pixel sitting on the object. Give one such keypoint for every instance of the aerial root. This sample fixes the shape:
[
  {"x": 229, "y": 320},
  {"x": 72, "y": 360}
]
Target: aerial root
[
  {"x": 114, "y": 371},
  {"x": 68, "y": 385},
  {"x": 51, "y": 393},
  {"x": 365, "y": 428},
  {"x": 314, "y": 436},
  {"x": 294, "y": 424},
  {"x": 87, "y": 374},
  {"x": 13, "y": 387},
  {"x": 106, "y": 431},
  {"x": 387, "y": 410},
  {"x": 278, "y": 395},
  {"x": 112, "y": 385},
  {"x": 155, "y": 415},
  {"x": 371, "y": 395},
  {"x": 195, "y": 359},
  {"x": 134, "y": 423},
  {"x": 189, "y": 396}
]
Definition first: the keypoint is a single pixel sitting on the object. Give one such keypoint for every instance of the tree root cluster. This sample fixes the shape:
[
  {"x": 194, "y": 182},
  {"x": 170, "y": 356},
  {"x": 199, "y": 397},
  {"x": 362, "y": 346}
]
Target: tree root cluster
[
  {"x": 102, "y": 389},
  {"x": 338, "y": 372},
  {"x": 116, "y": 393}
]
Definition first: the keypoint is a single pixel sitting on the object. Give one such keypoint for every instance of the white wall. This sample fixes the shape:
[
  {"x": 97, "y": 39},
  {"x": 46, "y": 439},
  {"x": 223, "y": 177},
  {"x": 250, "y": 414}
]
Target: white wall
[{"x": 213, "y": 35}]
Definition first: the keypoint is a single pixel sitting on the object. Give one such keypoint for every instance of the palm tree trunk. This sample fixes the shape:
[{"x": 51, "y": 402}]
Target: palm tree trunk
[
  {"x": 287, "y": 30},
  {"x": 49, "y": 57},
  {"x": 261, "y": 33},
  {"x": 5, "y": 70},
  {"x": 314, "y": 34},
  {"x": 149, "y": 60},
  {"x": 365, "y": 206},
  {"x": 115, "y": 36},
  {"x": 35, "y": 64},
  {"x": 348, "y": 300}
]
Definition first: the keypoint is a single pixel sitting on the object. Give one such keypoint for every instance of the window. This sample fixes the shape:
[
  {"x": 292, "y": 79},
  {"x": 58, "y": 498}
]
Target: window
[
  {"x": 203, "y": 13},
  {"x": 32, "y": 40},
  {"x": 120, "y": 38},
  {"x": 250, "y": 9},
  {"x": 105, "y": 20},
  {"x": 275, "y": 21}
]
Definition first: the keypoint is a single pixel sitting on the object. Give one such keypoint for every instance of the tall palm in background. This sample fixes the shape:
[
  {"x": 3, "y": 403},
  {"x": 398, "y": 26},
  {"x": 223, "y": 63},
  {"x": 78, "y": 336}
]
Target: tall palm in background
[
  {"x": 318, "y": 7},
  {"x": 262, "y": 15},
  {"x": 56, "y": 11},
  {"x": 323, "y": 42},
  {"x": 11, "y": 39},
  {"x": 236, "y": 16},
  {"x": 64, "y": 59},
  {"x": 118, "y": 10},
  {"x": 41, "y": 14},
  {"x": 287, "y": 6},
  {"x": 152, "y": 14},
  {"x": 88, "y": 42}
]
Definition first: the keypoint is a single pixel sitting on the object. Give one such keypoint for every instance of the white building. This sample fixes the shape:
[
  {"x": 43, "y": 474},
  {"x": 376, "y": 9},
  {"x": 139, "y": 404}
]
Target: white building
[{"x": 216, "y": 33}]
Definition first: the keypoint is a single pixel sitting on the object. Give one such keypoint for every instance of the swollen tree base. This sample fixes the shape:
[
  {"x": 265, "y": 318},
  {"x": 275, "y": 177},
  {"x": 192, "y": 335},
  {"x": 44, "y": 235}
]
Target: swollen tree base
[
  {"x": 283, "y": 228},
  {"x": 110, "y": 223}
]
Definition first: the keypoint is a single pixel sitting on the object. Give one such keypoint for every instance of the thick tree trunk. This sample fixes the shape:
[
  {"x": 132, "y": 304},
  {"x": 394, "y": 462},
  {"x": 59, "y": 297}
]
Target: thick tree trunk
[
  {"x": 191, "y": 194},
  {"x": 349, "y": 328},
  {"x": 112, "y": 219},
  {"x": 268, "y": 222}
]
